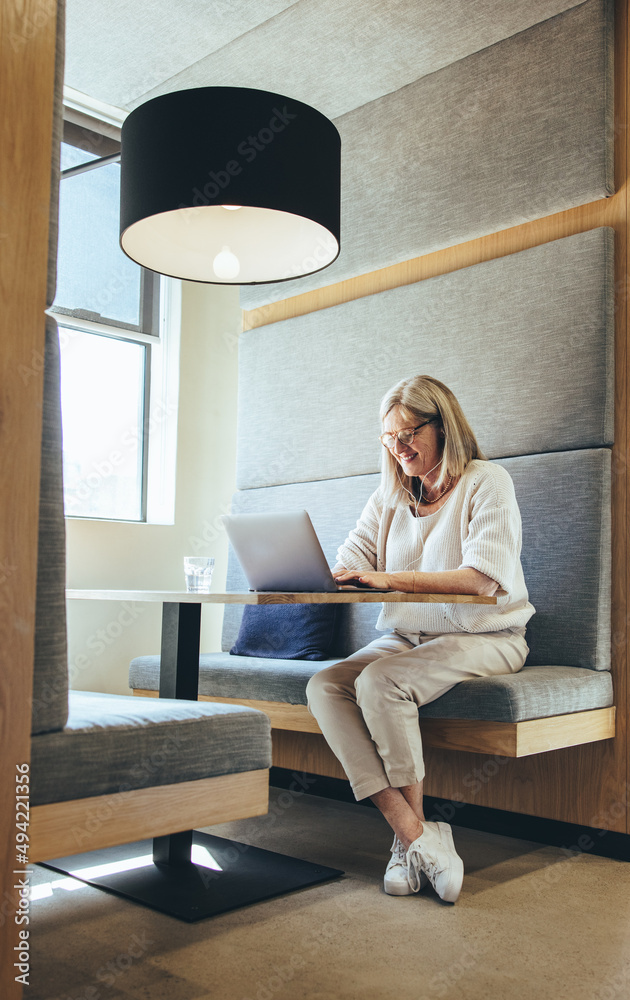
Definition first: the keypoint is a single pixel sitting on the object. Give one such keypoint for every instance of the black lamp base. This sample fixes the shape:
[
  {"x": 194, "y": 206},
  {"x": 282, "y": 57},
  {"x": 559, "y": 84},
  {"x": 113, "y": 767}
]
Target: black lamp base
[{"x": 189, "y": 890}]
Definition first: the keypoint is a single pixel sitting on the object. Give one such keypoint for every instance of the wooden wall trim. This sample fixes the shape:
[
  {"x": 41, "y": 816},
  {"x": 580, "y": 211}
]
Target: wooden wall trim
[
  {"x": 27, "y": 73},
  {"x": 606, "y": 212}
]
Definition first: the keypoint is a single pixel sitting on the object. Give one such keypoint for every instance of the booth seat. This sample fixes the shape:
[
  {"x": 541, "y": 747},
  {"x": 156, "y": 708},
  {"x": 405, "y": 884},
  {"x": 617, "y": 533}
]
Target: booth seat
[
  {"x": 111, "y": 769},
  {"x": 563, "y": 696}
]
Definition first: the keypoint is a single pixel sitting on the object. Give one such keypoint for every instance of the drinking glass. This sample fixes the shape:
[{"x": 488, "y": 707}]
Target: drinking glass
[{"x": 198, "y": 572}]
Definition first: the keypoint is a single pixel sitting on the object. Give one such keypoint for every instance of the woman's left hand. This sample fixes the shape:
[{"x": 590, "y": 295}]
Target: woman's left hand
[{"x": 379, "y": 580}]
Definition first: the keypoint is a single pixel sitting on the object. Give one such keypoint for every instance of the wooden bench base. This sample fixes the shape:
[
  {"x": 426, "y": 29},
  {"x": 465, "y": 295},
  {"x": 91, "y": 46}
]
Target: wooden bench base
[
  {"x": 80, "y": 825},
  {"x": 508, "y": 739}
]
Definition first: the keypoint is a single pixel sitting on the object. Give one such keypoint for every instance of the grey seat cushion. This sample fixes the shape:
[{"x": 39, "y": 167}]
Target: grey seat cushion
[
  {"x": 222, "y": 675},
  {"x": 534, "y": 693},
  {"x": 114, "y": 743}
]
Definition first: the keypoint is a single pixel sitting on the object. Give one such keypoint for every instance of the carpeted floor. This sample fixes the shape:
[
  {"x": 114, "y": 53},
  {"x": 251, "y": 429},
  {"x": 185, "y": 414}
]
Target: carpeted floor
[{"x": 531, "y": 924}]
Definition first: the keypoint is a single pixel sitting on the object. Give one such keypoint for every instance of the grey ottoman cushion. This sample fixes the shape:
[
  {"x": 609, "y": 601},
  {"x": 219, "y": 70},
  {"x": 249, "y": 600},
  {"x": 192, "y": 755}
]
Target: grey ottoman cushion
[{"x": 115, "y": 743}]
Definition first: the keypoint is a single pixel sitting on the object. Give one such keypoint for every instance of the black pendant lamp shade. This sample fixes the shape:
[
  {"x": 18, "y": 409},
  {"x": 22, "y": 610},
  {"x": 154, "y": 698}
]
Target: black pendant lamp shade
[{"x": 229, "y": 185}]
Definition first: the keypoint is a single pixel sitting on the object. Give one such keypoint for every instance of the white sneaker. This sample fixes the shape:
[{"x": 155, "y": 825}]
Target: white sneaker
[
  {"x": 433, "y": 853},
  {"x": 396, "y": 881}
]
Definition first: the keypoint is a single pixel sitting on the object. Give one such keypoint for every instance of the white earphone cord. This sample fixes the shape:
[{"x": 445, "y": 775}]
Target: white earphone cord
[{"x": 415, "y": 504}]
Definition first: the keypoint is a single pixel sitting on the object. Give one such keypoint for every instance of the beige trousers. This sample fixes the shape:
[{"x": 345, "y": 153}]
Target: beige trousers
[{"x": 367, "y": 705}]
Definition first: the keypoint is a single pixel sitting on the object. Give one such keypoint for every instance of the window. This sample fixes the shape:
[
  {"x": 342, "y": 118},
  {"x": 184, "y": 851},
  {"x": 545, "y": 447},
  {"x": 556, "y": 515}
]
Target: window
[
  {"x": 119, "y": 348},
  {"x": 103, "y": 393}
]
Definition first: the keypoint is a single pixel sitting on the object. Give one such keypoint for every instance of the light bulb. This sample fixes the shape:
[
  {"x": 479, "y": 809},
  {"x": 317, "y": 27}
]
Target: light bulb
[{"x": 226, "y": 265}]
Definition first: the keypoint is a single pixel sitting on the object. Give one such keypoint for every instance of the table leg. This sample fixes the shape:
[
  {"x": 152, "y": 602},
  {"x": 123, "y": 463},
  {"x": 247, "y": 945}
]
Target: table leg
[
  {"x": 179, "y": 678},
  {"x": 179, "y": 658}
]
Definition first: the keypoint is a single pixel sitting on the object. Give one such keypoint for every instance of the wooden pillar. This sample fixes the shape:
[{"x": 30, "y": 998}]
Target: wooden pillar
[
  {"x": 27, "y": 70},
  {"x": 621, "y": 451}
]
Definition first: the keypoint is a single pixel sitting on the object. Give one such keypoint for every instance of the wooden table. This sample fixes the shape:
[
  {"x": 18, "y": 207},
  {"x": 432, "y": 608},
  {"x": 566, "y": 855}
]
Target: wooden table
[
  {"x": 181, "y": 620},
  {"x": 179, "y": 678},
  {"x": 275, "y": 597}
]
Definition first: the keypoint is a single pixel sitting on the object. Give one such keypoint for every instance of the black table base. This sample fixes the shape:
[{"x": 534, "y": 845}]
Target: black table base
[{"x": 190, "y": 890}]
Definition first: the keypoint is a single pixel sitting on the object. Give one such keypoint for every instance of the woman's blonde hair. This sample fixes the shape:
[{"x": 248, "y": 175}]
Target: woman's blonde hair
[{"x": 422, "y": 398}]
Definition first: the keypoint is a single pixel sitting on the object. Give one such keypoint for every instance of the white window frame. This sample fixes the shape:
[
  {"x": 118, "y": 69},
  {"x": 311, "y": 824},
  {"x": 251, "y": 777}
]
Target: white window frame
[{"x": 160, "y": 440}]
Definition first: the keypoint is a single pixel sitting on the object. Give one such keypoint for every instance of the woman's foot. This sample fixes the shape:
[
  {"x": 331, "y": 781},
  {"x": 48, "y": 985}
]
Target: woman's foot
[
  {"x": 433, "y": 855},
  {"x": 396, "y": 881}
]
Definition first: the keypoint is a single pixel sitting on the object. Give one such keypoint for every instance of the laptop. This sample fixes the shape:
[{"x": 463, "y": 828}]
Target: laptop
[{"x": 281, "y": 552}]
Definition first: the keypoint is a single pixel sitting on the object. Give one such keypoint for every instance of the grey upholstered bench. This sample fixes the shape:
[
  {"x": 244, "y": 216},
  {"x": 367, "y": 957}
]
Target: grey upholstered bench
[
  {"x": 562, "y": 697},
  {"x": 111, "y": 769}
]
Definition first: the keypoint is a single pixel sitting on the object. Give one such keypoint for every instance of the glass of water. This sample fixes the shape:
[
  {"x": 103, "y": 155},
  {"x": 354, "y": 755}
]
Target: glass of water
[{"x": 198, "y": 572}]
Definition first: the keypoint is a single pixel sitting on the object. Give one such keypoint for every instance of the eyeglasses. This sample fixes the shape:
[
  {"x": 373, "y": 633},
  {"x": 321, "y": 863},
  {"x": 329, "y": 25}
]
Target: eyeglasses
[{"x": 405, "y": 436}]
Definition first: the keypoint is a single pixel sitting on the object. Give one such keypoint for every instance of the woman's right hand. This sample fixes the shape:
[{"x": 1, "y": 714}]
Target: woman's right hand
[{"x": 338, "y": 570}]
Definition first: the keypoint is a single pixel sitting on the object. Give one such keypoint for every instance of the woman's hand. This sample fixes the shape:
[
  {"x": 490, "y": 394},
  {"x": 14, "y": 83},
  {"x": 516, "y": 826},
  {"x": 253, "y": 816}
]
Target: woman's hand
[
  {"x": 379, "y": 580},
  {"x": 338, "y": 570}
]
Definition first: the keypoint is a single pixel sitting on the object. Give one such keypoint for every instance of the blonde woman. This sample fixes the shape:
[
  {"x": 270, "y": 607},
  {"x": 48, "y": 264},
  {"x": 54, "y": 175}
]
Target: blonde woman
[{"x": 444, "y": 520}]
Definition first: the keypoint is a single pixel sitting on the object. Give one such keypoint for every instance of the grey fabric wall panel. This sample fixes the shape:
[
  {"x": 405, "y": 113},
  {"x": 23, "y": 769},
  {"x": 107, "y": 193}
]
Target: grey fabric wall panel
[
  {"x": 333, "y": 54},
  {"x": 565, "y": 507},
  {"x": 524, "y": 341},
  {"x": 511, "y": 133}
]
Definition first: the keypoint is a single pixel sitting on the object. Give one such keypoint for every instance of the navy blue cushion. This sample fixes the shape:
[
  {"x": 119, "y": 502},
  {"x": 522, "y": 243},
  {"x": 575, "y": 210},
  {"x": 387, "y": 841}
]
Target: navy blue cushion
[{"x": 287, "y": 631}]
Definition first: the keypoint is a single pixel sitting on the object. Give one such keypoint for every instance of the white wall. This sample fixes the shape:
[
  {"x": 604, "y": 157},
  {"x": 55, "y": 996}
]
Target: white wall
[{"x": 104, "y": 635}]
